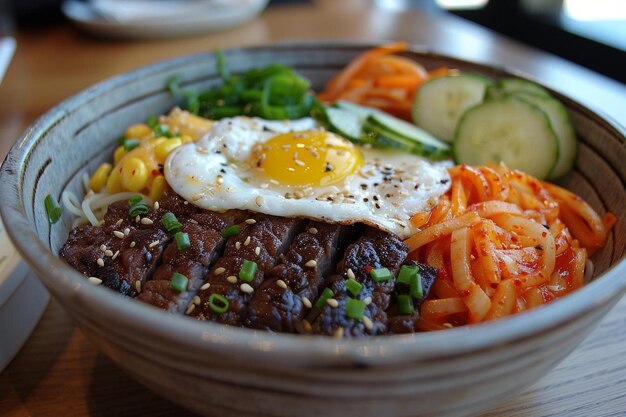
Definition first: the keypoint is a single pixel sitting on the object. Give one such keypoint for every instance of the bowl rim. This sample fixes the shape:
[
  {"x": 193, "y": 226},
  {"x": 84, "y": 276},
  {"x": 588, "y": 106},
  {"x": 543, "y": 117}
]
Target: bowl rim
[{"x": 65, "y": 282}]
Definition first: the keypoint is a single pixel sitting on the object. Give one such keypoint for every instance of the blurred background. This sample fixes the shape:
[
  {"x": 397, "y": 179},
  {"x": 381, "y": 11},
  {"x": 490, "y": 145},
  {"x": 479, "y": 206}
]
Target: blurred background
[{"x": 591, "y": 33}]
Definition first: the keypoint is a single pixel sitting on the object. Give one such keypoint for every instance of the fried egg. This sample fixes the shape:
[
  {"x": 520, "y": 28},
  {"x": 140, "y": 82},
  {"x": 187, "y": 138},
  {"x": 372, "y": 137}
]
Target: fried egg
[{"x": 297, "y": 169}]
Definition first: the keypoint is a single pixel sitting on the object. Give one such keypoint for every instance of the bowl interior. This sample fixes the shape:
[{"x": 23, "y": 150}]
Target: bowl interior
[{"x": 75, "y": 137}]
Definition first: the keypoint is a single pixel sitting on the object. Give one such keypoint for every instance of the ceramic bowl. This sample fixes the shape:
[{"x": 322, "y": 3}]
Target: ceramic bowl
[{"x": 226, "y": 371}]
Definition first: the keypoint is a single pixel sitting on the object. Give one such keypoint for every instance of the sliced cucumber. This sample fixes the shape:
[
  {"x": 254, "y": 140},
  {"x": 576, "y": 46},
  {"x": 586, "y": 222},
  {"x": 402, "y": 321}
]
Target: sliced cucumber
[
  {"x": 346, "y": 123},
  {"x": 362, "y": 111},
  {"x": 440, "y": 102},
  {"x": 562, "y": 126},
  {"x": 507, "y": 86},
  {"x": 507, "y": 130}
]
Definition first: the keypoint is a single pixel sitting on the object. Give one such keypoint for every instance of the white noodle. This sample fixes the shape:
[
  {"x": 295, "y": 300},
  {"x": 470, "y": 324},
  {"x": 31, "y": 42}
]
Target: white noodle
[
  {"x": 71, "y": 203},
  {"x": 589, "y": 269}
]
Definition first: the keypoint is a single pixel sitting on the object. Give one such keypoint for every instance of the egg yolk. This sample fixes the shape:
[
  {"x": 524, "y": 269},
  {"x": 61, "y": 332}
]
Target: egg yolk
[{"x": 307, "y": 158}]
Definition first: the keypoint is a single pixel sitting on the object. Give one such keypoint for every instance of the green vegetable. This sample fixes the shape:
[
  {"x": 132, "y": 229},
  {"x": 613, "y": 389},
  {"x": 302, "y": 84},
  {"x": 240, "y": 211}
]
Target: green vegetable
[
  {"x": 134, "y": 200},
  {"x": 179, "y": 282},
  {"x": 247, "y": 271},
  {"x": 218, "y": 303},
  {"x": 405, "y": 304},
  {"x": 231, "y": 230},
  {"x": 415, "y": 283},
  {"x": 182, "y": 240},
  {"x": 381, "y": 274},
  {"x": 53, "y": 210},
  {"x": 138, "y": 210},
  {"x": 170, "y": 222},
  {"x": 406, "y": 273},
  {"x": 130, "y": 144},
  {"x": 353, "y": 286},
  {"x": 326, "y": 294},
  {"x": 355, "y": 309},
  {"x": 152, "y": 121}
]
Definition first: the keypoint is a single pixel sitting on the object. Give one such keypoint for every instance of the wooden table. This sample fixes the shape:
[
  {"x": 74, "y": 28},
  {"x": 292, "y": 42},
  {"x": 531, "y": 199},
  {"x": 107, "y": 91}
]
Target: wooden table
[{"x": 60, "y": 372}]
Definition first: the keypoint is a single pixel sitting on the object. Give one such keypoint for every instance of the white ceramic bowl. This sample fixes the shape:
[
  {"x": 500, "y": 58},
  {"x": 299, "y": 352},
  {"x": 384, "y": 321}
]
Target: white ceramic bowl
[{"x": 226, "y": 371}]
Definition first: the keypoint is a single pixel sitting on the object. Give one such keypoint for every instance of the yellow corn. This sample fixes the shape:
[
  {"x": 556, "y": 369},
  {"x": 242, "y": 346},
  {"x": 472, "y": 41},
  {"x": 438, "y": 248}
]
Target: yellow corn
[
  {"x": 138, "y": 131},
  {"x": 164, "y": 149},
  {"x": 134, "y": 174},
  {"x": 99, "y": 178},
  {"x": 118, "y": 154},
  {"x": 153, "y": 143},
  {"x": 186, "y": 139},
  {"x": 157, "y": 189},
  {"x": 114, "y": 183}
]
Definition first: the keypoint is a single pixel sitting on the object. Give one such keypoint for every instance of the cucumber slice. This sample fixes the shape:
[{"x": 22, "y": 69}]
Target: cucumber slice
[
  {"x": 508, "y": 86},
  {"x": 362, "y": 111},
  {"x": 346, "y": 123},
  {"x": 407, "y": 132},
  {"x": 507, "y": 130},
  {"x": 440, "y": 102},
  {"x": 562, "y": 126}
]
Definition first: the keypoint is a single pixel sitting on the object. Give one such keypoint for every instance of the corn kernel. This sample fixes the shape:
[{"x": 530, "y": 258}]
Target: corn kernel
[
  {"x": 99, "y": 178},
  {"x": 157, "y": 189},
  {"x": 164, "y": 149},
  {"x": 186, "y": 139},
  {"x": 138, "y": 131},
  {"x": 114, "y": 183},
  {"x": 118, "y": 154},
  {"x": 153, "y": 143},
  {"x": 134, "y": 174}
]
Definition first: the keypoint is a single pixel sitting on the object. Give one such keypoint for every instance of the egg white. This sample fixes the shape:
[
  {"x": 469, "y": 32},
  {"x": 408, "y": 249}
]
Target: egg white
[{"x": 215, "y": 173}]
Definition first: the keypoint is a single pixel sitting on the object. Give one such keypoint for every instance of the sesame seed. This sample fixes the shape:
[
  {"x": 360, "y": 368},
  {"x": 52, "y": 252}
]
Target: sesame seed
[
  {"x": 94, "y": 280},
  {"x": 246, "y": 288},
  {"x": 313, "y": 230},
  {"x": 368, "y": 323},
  {"x": 196, "y": 300},
  {"x": 219, "y": 271},
  {"x": 132, "y": 244},
  {"x": 332, "y": 302},
  {"x": 153, "y": 244},
  {"x": 338, "y": 333},
  {"x": 257, "y": 251},
  {"x": 137, "y": 219},
  {"x": 190, "y": 308},
  {"x": 448, "y": 325},
  {"x": 146, "y": 221},
  {"x": 103, "y": 248},
  {"x": 299, "y": 163},
  {"x": 306, "y": 302},
  {"x": 282, "y": 284},
  {"x": 219, "y": 179},
  {"x": 307, "y": 326},
  {"x": 115, "y": 255},
  {"x": 311, "y": 264},
  {"x": 351, "y": 273},
  {"x": 237, "y": 245},
  {"x": 185, "y": 202},
  {"x": 247, "y": 241},
  {"x": 118, "y": 234},
  {"x": 232, "y": 279},
  {"x": 205, "y": 286},
  {"x": 117, "y": 223},
  {"x": 259, "y": 201},
  {"x": 100, "y": 262},
  {"x": 138, "y": 286},
  {"x": 108, "y": 253},
  {"x": 367, "y": 300},
  {"x": 250, "y": 221},
  {"x": 126, "y": 231},
  {"x": 156, "y": 205}
]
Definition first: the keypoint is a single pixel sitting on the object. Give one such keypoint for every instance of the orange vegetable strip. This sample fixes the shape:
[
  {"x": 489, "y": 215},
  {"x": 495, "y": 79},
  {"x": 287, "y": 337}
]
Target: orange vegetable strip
[
  {"x": 442, "y": 307},
  {"x": 503, "y": 301},
  {"x": 441, "y": 229}
]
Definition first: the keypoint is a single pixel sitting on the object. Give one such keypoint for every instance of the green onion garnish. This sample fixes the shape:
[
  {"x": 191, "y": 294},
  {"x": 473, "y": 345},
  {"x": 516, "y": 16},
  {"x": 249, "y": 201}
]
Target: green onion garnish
[
  {"x": 179, "y": 282},
  {"x": 355, "y": 309},
  {"x": 405, "y": 304},
  {"x": 121, "y": 139},
  {"x": 231, "y": 230},
  {"x": 130, "y": 144},
  {"x": 353, "y": 286},
  {"x": 138, "y": 209},
  {"x": 416, "y": 286},
  {"x": 53, "y": 210},
  {"x": 152, "y": 121},
  {"x": 182, "y": 240},
  {"x": 134, "y": 200},
  {"x": 247, "y": 271},
  {"x": 218, "y": 303},
  {"x": 170, "y": 222},
  {"x": 326, "y": 294},
  {"x": 405, "y": 274},
  {"x": 381, "y": 274},
  {"x": 162, "y": 130}
]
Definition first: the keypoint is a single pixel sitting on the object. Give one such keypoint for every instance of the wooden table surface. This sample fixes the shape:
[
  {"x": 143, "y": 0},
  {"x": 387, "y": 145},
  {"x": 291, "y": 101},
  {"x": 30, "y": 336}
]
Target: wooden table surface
[{"x": 60, "y": 372}]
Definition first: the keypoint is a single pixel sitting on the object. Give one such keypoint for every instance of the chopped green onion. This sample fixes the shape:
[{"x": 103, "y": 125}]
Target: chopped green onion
[
  {"x": 218, "y": 303},
  {"x": 416, "y": 286},
  {"x": 353, "y": 286},
  {"x": 247, "y": 271},
  {"x": 381, "y": 274},
  {"x": 182, "y": 240},
  {"x": 130, "y": 144},
  {"x": 134, "y": 200},
  {"x": 138, "y": 209},
  {"x": 179, "y": 282},
  {"x": 231, "y": 230},
  {"x": 162, "y": 130},
  {"x": 405, "y": 274},
  {"x": 152, "y": 121},
  {"x": 121, "y": 139},
  {"x": 170, "y": 222},
  {"x": 355, "y": 309},
  {"x": 326, "y": 294},
  {"x": 405, "y": 304},
  {"x": 53, "y": 210}
]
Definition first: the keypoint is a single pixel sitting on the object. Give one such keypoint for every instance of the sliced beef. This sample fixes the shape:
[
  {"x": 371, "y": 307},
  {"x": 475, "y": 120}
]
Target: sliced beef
[
  {"x": 261, "y": 240},
  {"x": 291, "y": 286},
  {"x": 206, "y": 243}
]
